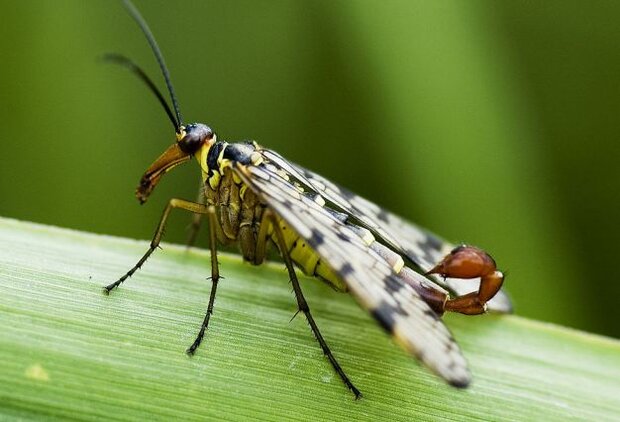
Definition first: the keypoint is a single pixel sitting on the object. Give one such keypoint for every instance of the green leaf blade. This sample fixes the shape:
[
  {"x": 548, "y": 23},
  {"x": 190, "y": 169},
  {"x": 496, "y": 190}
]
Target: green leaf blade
[{"x": 69, "y": 351}]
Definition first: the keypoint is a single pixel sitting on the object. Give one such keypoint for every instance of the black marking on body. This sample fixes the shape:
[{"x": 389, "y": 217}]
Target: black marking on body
[
  {"x": 239, "y": 152},
  {"x": 214, "y": 153}
]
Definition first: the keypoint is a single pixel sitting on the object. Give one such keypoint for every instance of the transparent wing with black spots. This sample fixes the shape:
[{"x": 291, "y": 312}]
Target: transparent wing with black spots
[
  {"x": 420, "y": 246},
  {"x": 371, "y": 280}
]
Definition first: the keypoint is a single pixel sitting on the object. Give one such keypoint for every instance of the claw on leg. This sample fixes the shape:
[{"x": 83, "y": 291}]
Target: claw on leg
[{"x": 470, "y": 262}]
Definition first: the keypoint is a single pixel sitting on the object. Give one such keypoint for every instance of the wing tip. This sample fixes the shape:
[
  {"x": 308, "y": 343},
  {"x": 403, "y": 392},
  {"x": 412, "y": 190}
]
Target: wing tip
[{"x": 461, "y": 383}]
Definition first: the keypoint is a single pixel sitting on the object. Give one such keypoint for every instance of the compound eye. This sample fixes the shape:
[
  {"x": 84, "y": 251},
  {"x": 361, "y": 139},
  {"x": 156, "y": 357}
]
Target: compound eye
[
  {"x": 195, "y": 136},
  {"x": 190, "y": 143}
]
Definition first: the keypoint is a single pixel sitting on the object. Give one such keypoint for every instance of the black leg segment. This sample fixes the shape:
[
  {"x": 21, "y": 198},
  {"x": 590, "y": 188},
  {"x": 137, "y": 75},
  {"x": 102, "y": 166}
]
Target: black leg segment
[{"x": 303, "y": 307}]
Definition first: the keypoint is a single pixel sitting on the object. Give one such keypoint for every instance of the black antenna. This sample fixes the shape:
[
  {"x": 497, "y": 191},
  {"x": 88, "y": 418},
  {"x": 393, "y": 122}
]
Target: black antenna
[
  {"x": 129, "y": 64},
  {"x": 160, "y": 58}
]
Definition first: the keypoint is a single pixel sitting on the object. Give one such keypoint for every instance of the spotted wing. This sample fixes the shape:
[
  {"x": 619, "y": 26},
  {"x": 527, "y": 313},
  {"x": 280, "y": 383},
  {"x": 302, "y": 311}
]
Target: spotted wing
[
  {"x": 370, "y": 279},
  {"x": 420, "y": 246}
]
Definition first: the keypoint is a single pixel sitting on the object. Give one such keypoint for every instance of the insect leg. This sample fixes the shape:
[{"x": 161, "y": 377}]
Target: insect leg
[
  {"x": 215, "y": 277},
  {"x": 174, "y": 203},
  {"x": 197, "y": 217},
  {"x": 303, "y": 306}
]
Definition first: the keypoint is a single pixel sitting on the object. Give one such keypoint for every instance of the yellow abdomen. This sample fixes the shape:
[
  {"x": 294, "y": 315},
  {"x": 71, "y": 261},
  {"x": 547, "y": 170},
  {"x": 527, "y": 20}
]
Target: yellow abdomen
[{"x": 307, "y": 259}]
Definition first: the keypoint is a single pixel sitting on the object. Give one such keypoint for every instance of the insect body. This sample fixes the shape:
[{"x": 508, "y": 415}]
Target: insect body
[{"x": 404, "y": 276}]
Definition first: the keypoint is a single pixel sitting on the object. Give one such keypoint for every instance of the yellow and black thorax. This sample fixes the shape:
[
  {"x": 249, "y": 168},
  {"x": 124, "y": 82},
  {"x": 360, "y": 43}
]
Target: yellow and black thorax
[{"x": 240, "y": 210}]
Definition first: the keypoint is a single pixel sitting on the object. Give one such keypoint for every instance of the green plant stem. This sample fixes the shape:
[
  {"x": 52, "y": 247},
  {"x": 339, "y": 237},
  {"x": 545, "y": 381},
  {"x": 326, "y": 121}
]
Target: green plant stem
[{"x": 69, "y": 351}]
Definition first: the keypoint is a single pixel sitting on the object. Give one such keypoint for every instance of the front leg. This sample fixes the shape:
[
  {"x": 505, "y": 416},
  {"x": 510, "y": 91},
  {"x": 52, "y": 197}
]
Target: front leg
[
  {"x": 173, "y": 203},
  {"x": 197, "y": 209}
]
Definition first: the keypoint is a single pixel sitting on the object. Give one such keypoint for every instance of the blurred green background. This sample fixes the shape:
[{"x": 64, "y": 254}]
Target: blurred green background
[{"x": 494, "y": 123}]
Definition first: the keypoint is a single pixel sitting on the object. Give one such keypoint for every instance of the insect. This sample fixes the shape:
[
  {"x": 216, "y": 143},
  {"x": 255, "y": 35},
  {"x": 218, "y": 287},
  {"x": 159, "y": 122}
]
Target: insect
[{"x": 403, "y": 275}]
